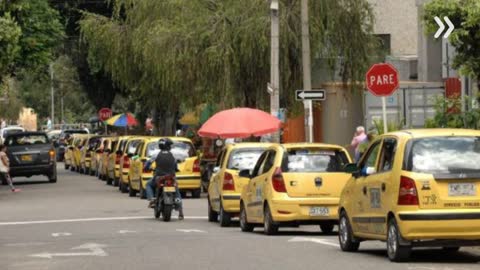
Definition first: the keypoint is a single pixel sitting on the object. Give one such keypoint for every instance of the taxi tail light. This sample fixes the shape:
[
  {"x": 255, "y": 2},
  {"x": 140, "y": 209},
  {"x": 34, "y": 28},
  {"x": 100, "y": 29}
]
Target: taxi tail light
[
  {"x": 407, "y": 195},
  {"x": 277, "y": 181},
  {"x": 126, "y": 162},
  {"x": 228, "y": 182},
  {"x": 117, "y": 159},
  {"x": 196, "y": 166}
]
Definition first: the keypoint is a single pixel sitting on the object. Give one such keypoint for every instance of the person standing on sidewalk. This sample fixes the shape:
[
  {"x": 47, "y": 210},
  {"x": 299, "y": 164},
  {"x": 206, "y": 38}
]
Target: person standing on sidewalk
[
  {"x": 358, "y": 138},
  {"x": 5, "y": 168}
]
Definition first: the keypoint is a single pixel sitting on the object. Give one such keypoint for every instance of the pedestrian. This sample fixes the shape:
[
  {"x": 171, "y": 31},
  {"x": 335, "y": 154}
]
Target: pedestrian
[
  {"x": 5, "y": 168},
  {"x": 49, "y": 123},
  {"x": 358, "y": 137},
  {"x": 3, "y": 123}
]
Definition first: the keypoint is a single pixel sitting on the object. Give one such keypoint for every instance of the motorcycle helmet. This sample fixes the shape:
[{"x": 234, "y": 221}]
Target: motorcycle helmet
[{"x": 165, "y": 144}]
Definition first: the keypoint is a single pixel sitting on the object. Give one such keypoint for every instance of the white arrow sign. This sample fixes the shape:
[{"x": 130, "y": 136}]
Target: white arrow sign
[
  {"x": 94, "y": 250},
  {"x": 310, "y": 95},
  {"x": 314, "y": 240},
  {"x": 451, "y": 27},
  {"x": 190, "y": 231},
  {"x": 61, "y": 234}
]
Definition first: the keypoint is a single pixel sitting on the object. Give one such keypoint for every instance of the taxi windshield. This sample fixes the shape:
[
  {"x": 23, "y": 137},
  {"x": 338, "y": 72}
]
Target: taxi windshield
[
  {"x": 314, "y": 160},
  {"x": 26, "y": 139},
  {"x": 244, "y": 159},
  {"x": 445, "y": 155}
]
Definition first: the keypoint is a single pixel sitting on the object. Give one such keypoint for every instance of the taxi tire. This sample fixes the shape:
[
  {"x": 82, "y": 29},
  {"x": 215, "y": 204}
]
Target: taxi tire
[
  {"x": 66, "y": 166},
  {"x": 87, "y": 171},
  {"x": 244, "y": 225},
  {"x": 350, "y": 244},
  {"x": 225, "y": 218},
  {"x": 395, "y": 251},
  {"x": 212, "y": 215},
  {"x": 109, "y": 180},
  {"x": 327, "y": 228},
  {"x": 123, "y": 188},
  {"x": 270, "y": 228},
  {"x": 196, "y": 193},
  {"x": 116, "y": 182},
  {"x": 131, "y": 191}
]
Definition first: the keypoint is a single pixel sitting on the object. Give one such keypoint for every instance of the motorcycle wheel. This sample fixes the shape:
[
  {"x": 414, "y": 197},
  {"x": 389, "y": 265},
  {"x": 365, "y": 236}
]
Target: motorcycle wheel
[{"x": 167, "y": 212}]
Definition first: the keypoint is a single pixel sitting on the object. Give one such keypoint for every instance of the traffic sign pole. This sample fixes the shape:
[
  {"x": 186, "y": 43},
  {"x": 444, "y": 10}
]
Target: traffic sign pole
[{"x": 384, "y": 111}]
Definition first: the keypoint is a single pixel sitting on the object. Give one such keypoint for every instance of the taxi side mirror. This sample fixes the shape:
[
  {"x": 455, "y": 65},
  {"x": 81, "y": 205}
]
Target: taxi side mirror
[
  {"x": 245, "y": 174},
  {"x": 353, "y": 169},
  {"x": 216, "y": 169}
]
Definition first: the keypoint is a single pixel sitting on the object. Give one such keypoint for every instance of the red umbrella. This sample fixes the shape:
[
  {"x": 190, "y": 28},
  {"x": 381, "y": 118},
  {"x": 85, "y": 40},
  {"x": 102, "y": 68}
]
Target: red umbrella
[{"x": 239, "y": 123}]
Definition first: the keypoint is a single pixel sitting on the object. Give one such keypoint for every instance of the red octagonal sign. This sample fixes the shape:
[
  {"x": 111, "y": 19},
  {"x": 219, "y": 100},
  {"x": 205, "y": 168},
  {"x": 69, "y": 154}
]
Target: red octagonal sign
[
  {"x": 104, "y": 114},
  {"x": 382, "y": 80}
]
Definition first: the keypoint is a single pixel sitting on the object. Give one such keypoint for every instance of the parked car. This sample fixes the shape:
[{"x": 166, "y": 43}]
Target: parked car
[
  {"x": 138, "y": 175},
  {"x": 414, "y": 188},
  {"x": 4, "y": 132},
  {"x": 31, "y": 153},
  {"x": 113, "y": 168},
  {"x": 125, "y": 162},
  {"x": 294, "y": 184},
  {"x": 226, "y": 185},
  {"x": 61, "y": 144}
]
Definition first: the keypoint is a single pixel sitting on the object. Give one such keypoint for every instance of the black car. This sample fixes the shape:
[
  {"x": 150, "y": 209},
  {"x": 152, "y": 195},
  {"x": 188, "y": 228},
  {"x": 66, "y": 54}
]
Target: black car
[
  {"x": 31, "y": 153},
  {"x": 61, "y": 144}
]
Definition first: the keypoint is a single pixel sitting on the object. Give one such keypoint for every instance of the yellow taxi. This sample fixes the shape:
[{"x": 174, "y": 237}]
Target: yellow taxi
[
  {"x": 147, "y": 149},
  {"x": 113, "y": 168},
  {"x": 188, "y": 177},
  {"x": 96, "y": 155},
  {"x": 294, "y": 184},
  {"x": 125, "y": 162},
  {"x": 414, "y": 188},
  {"x": 226, "y": 185},
  {"x": 87, "y": 152},
  {"x": 105, "y": 157},
  {"x": 68, "y": 156},
  {"x": 77, "y": 151}
]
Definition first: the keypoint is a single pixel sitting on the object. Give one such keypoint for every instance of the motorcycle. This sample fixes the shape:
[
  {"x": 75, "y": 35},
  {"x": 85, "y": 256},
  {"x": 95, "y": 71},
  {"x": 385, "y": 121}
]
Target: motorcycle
[{"x": 165, "y": 200}]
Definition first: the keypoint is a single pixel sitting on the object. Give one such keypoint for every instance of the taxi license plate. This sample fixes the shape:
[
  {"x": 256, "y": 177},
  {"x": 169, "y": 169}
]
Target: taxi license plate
[
  {"x": 26, "y": 158},
  {"x": 462, "y": 189},
  {"x": 169, "y": 189},
  {"x": 319, "y": 211}
]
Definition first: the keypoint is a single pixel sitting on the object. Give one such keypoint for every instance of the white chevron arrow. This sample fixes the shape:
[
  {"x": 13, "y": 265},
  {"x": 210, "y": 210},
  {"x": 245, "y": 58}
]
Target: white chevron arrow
[
  {"x": 94, "y": 250},
  {"x": 450, "y": 29}
]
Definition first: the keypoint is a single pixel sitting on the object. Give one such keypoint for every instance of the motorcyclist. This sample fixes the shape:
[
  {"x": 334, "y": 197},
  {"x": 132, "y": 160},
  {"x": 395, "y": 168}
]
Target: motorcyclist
[{"x": 165, "y": 165}]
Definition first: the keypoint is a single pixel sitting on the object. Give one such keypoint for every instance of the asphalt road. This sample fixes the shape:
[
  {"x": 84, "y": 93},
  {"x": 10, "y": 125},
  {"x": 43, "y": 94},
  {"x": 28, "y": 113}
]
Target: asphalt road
[{"x": 81, "y": 223}]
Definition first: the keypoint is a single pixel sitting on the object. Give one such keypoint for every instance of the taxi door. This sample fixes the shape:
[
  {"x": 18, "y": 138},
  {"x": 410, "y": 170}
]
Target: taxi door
[
  {"x": 254, "y": 197},
  {"x": 216, "y": 181},
  {"x": 260, "y": 188},
  {"x": 361, "y": 202},
  {"x": 378, "y": 186}
]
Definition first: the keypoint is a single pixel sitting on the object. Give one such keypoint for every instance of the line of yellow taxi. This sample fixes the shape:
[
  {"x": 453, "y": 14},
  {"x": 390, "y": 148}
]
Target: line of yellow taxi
[
  {"x": 119, "y": 161},
  {"x": 410, "y": 189}
]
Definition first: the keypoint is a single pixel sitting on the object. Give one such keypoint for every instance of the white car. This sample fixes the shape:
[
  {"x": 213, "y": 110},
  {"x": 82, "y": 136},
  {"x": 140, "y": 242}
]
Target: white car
[{"x": 4, "y": 132}]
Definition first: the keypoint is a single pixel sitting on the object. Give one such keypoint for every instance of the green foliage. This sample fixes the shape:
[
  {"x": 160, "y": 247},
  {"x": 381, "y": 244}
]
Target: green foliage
[
  {"x": 169, "y": 53},
  {"x": 465, "y": 15},
  {"x": 448, "y": 114},
  {"x": 391, "y": 126},
  {"x": 9, "y": 43}
]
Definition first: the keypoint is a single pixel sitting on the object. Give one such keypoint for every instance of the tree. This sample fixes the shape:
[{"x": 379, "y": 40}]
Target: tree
[
  {"x": 172, "y": 53},
  {"x": 465, "y": 15},
  {"x": 10, "y": 34}
]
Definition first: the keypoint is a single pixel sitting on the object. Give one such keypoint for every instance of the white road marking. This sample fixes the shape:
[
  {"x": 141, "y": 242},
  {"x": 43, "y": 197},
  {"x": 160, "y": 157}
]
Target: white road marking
[
  {"x": 61, "y": 234},
  {"x": 84, "y": 220},
  {"x": 95, "y": 250},
  {"x": 314, "y": 240},
  {"x": 28, "y": 244},
  {"x": 125, "y": 231},
  {"x": 190, "y": 231}
]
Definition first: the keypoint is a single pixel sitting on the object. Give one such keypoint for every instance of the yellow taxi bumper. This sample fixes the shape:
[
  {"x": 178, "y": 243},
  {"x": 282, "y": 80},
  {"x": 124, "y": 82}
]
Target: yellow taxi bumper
[
  {"x": 420, "y": 225},
  {"x": 117, "y": 171},
  {"x": 302, "y": 209},
  {"x": 124, "y": 176},
  {"x": 189, "y": 182},
  {"x": 231, "y": 202}
]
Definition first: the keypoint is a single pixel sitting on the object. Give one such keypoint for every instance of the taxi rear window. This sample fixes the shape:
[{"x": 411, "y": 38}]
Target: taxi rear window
[
  {"x": 182, "y": 150},
  {"x": 314, "y": 160},
  {"x": 244, "y": 159},
  {"x": 444, "y": 155}
]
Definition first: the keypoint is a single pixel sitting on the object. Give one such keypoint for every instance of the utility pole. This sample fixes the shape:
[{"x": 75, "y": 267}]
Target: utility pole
[
  {"x": 307, "y": 77},
  {"x": 53, "y": 98},
  {"x": 274, "y": 87}
]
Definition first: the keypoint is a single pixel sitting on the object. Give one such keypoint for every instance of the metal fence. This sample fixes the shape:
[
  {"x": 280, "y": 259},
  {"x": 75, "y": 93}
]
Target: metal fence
[{"x": 411, "y": 104}]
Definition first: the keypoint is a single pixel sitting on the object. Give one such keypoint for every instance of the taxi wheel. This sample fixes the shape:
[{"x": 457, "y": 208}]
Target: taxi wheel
[
  {"x": 123, "y": 188},
  {"x": 225, "y": 218},
  {"x": 327, "y": 228},
  {"x": 131, "y": 191},
  {"x": 109, "y": 180},
  {"x": 115, "y": 182},
  {"x": 345, "y": 234},
  {"x": 66, "y": 166},
  {"x": 72, "y": 168},
  {"x": 244, "y": 225},
  {"x": 270, "y": 228},
  {"x": 395, "y": 251},
  {"x": 212, "y": 215},
  {"x": 196, "y": 193},
  {"x": 87, "y": 171}
]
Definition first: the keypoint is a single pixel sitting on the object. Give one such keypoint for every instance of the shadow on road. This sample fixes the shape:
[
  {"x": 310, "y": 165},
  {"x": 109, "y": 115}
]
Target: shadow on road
[
  {"x": 30, "y": 182},
  {"x": 430, "y": 256}
]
